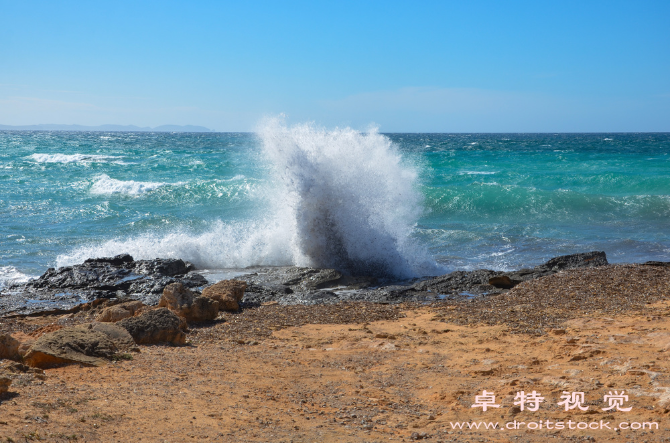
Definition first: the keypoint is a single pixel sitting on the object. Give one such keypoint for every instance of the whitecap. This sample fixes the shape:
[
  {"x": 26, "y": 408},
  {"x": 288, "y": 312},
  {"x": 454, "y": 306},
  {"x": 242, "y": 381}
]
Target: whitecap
[
  {"x": 476, "y": 172},
  {"x": 70, "y": 158},
  {"x": 107, "y": 185}
]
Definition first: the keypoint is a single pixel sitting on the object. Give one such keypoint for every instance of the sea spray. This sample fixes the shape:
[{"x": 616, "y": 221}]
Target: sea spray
[
  {"x": 330, "y": 198},
  {"x": 351, "y": 201}
]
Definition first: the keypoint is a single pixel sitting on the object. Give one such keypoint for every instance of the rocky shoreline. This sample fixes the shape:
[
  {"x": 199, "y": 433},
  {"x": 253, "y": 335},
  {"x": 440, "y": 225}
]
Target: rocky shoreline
[
  {"x": 301, "y": 354},
  {"x": 121, "y": 278}
]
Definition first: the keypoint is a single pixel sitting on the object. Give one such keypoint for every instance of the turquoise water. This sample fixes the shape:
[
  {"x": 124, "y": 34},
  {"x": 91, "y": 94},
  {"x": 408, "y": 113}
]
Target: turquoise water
[{"x": 413, "y": 203}]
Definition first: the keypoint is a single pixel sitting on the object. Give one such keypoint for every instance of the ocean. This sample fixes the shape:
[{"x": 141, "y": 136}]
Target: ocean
[{"x": 404, "y": 205}]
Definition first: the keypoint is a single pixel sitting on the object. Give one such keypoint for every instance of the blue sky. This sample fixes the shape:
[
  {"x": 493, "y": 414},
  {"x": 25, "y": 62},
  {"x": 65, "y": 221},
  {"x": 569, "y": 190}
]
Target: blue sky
[{"x": 405, "y": 66}]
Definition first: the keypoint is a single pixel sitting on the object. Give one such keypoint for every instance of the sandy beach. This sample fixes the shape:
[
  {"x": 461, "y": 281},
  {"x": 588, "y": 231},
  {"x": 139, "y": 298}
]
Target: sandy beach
[{"x": 366, "y": 372}]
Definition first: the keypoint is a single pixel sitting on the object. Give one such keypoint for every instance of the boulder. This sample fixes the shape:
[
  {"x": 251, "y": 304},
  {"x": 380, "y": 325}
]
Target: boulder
[
  {"x": 78, "y": 344},
  {"x": 183, "y": 302},
  {"x": 228, "y": 293},
  {"x": 119, "y": 312},
  {"x": 156, "y": 326}
]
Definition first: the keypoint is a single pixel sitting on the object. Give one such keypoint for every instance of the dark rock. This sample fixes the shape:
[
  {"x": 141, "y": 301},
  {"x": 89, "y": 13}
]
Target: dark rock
[
  {"x": 502, "y": 281},
  {"x": 657, "y": 263},
  {"x": 120, "y": 276},
  {"x": 161, "y": 266},
  {"x": 583, "y": 260},
  {"x": 156, "y": 326},
  {"x": 118, "y": 260},
  {"x": 61, "y": 289}
]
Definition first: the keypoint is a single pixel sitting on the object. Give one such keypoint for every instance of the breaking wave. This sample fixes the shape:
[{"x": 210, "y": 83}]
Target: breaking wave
[
  {"x": 351, "y": 202},
  {"x": 335, "y": 199}
]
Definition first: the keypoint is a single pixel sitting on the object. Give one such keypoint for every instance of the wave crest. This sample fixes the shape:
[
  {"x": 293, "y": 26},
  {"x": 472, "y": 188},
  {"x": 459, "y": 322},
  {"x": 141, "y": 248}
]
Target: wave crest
[
  {"x": 70, "y": 158},
  {"x": 107, "y": 185}
]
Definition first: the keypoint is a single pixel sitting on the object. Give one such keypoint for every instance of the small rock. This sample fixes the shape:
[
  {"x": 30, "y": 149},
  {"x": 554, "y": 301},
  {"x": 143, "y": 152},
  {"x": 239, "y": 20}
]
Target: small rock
[
  {"x": 9, "y": 347},
  {"x": 5, "y": 382},
  {"x": 156, "y": 326},
  {"x": 14, "y": 367},
  {"x": 183, "y": 302},
  {"x": 120, "y": 311},
  {"x": 228, "y": 293},
  {"x": 558, "y": 331},
  {"x": 502, "y": 282}
]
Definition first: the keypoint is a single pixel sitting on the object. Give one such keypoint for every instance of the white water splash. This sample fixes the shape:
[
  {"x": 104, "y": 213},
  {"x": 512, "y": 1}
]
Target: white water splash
[
  {"x": 10, "y": 275},
  {"x": 347, "y": 197}
]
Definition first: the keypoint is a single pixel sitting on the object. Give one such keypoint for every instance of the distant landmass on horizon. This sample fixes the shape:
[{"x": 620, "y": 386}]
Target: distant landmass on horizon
[{"x": 106, "y": 128}]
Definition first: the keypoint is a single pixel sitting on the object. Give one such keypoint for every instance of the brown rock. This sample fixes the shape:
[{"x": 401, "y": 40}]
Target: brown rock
[
  {"x": 122, "y": 339},
  {"x": 177, "y": 298},
  {"x": 120, "y": 311},
  {"x": 14, "y": 367},
  {"x": 9, "y": 347},
  {"x": 183, "y": 302},
  {"x": 156, "y": 326},
  {"x": 203, "y": 309},
  {"x": 14, "y": 346},
  {"x": 78, "y": 344},
  {"x": 5, "y": 382},
  {"x": 228, "y": 293},
  {"x": 502, "y": 282}
]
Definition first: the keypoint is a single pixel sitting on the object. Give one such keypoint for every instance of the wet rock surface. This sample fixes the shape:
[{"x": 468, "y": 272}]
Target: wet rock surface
[
  {"x": 123, "y": 278},
  {"x": 307, "y": 286},
  {"x": 101, "y": 278}
]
